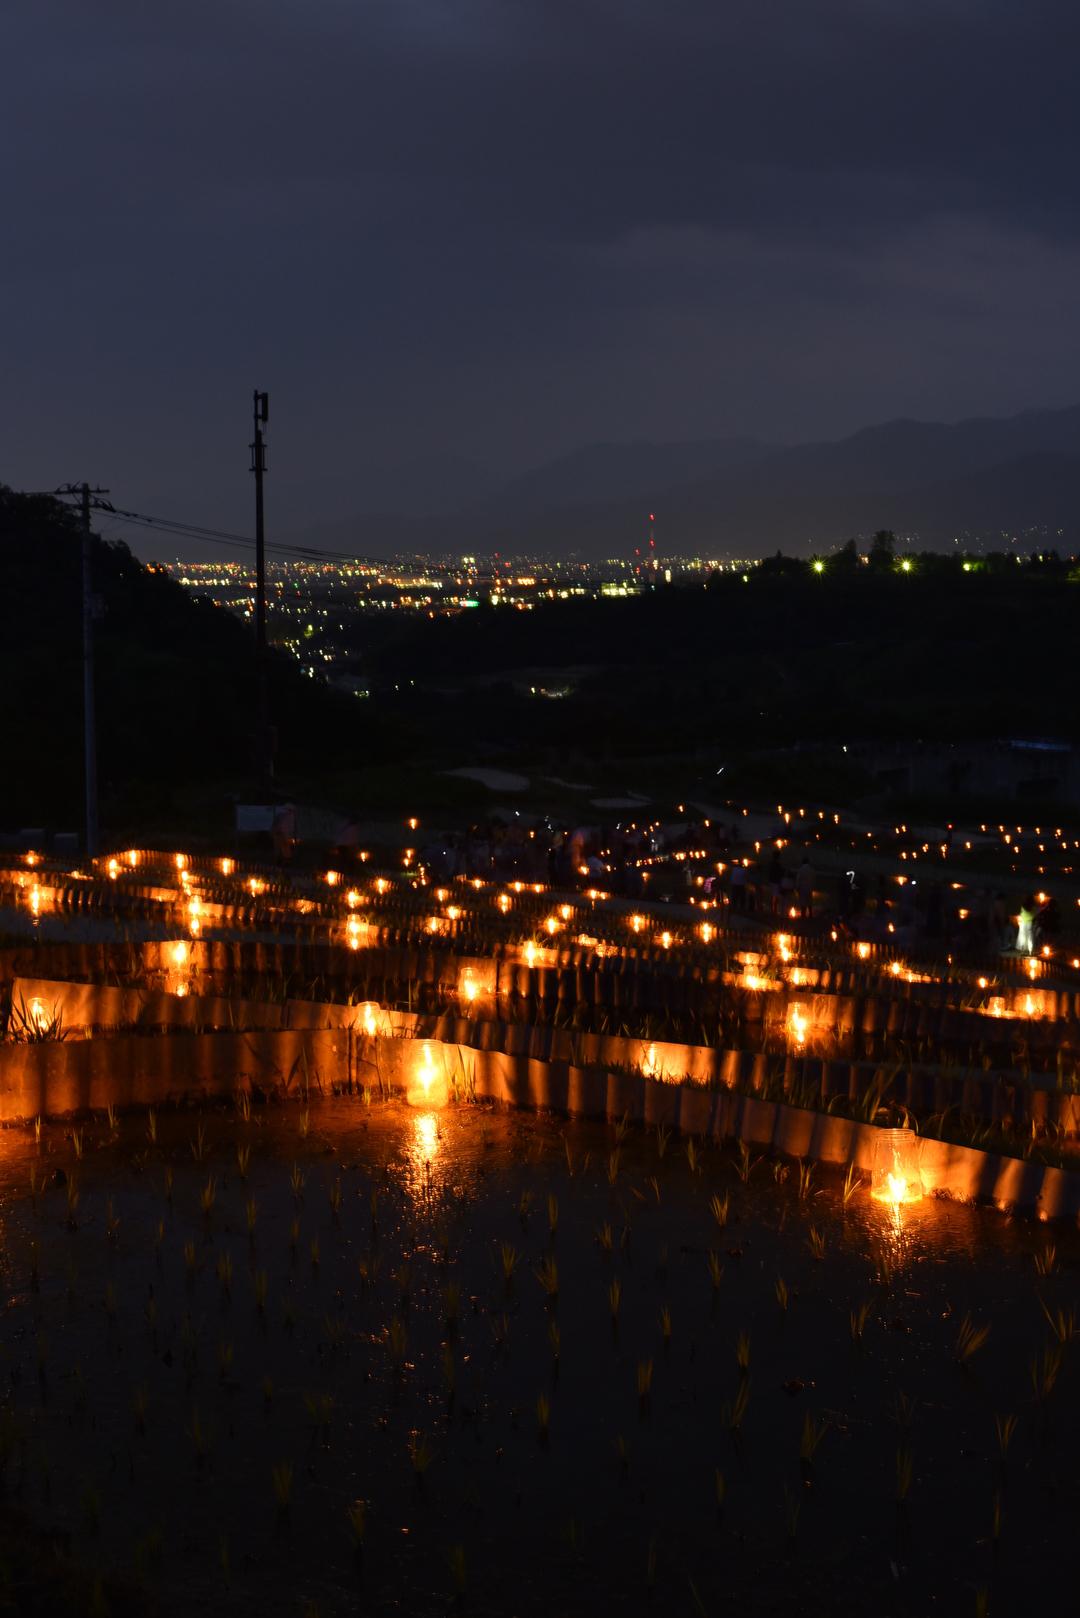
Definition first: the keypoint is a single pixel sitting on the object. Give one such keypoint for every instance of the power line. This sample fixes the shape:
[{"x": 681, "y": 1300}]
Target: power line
[{"x": 218, "y": 536}]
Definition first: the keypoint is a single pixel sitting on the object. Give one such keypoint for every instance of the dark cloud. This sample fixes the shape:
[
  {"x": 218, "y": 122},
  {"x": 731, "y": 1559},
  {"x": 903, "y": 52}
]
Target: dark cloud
[{"x": 495, "y": 229}]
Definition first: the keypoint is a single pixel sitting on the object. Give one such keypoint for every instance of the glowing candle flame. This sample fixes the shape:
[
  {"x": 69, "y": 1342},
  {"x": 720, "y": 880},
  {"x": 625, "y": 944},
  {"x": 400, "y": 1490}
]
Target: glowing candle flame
[{"x": 798, "y": 1025}]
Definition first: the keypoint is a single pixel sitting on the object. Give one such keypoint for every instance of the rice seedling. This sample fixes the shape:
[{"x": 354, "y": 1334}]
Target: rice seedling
[
  {"x": 77, "y": 1141},
  {"x": 613, "y": 1167},
  {"x": 622, "y": 1454},
  {"x": 225, "y": 1274},
  {"x": 969, "y": 1340},
  {"x": 314, "y": 1251},
  {"x": 243, "y": 1159},
  {"x": 813, "y": 1432},
  {"x": 734, "y": 1413},
  {"x": 110, "y": 1119},
  {"x": 242, "y": 1100},
  {"x": 654, "y": 1186},
  {"x": 189, "y": 1259},
  {"x": 396, "y": 1340},
  {"x": 605, "y": 1237},
  {"x": 458, "y": 1572},
  {"x": 744, "y": 1166},
  {"x": 151, "y": 1127},
  {"x": 524, "y": 1207},
  {"x": 547, "y": 1273},
  {"x": 543, "y": 1417},
  {"x": 614, "y": 1299},
  {"x": 715, "y": 1268},
  {"x": 334, "y": 1196},
  {"x": 905, "y": 1472},
  {"x": 1044, "y": 1373},
  {"x": 357, "y": 1515},
  {"x": 857, "y": 1322},
  {"x": 304, "y": 1123},
  {"x": 421, "y": 1456},
  {"x": 663, "y": 1135},
  {"x": 1046, "y": 1260},
  {"x": 500, "y": 1331},
  {"x": 692, "y": 1154},
  {"x": 782, "y": 1296},
  {"x": 644, "y": 1383},
  {"x": 296, "y": 1180},
  {"x": 1061, "y": 1322},
  {"x": 852, "y": 1183},
  {"x": 805, "y": 1179},
  {"x": 742, "y": 1353},
  {"x": 792, "y": 1511},
  {"x": 168, "y": 1183},
  {"x": 207, "y": 1196},
  {"x": 281, "y": 1477},
  {"x": 1005, "y": 1427},
  {"x": 553, "y": 1213},
  {"x": 719, "y": 1206},
  {"x": 816, "y": 1242},
  {"x": 198, "y": 1144}
]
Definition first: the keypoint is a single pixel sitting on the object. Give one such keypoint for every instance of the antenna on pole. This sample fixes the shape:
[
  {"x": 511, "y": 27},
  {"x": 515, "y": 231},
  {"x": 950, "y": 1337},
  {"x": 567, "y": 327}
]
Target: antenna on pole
[{"x": 264, "y": 748}]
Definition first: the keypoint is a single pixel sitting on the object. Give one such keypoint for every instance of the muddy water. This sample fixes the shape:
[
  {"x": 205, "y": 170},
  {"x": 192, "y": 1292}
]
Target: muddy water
[{"x": 148, "y": 1398}]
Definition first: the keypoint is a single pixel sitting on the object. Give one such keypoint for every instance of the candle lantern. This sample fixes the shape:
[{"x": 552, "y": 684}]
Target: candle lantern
[{"x": 895, "y": 1176}]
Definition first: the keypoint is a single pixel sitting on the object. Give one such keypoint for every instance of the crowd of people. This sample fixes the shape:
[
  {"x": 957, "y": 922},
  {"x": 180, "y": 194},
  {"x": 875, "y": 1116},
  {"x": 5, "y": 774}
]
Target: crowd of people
[{"x": 716, "y": 860}]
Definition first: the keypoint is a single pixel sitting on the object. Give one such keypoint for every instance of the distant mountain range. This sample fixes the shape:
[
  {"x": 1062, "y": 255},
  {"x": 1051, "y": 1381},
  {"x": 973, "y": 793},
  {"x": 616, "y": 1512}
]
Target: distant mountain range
[{"x": 985, "y": 477}]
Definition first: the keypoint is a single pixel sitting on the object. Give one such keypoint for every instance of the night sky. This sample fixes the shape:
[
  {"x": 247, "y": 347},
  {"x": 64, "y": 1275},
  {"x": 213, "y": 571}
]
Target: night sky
[{"x": 498, "y": 229}]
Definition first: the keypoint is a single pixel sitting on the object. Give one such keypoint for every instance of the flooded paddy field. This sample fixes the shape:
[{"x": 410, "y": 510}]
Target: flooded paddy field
[{"x": 328, "y": 1357}]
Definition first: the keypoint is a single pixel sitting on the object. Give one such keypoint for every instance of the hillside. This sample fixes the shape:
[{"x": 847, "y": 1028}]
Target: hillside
[
  {"x": 175, "y": 683},
  {"x": 983, "y": 476}
]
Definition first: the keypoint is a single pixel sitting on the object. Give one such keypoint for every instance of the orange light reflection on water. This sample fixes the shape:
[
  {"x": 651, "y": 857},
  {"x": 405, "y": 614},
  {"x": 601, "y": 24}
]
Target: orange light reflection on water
[{"x": 422, "y": 1147}]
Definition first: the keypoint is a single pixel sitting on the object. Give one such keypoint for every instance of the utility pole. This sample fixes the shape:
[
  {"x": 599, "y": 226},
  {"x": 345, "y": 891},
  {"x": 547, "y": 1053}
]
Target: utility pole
[
  {"x": 89, "y": 500},
  {"x": 89, "y": 720},
  {"x": 264, "y": 751}
]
